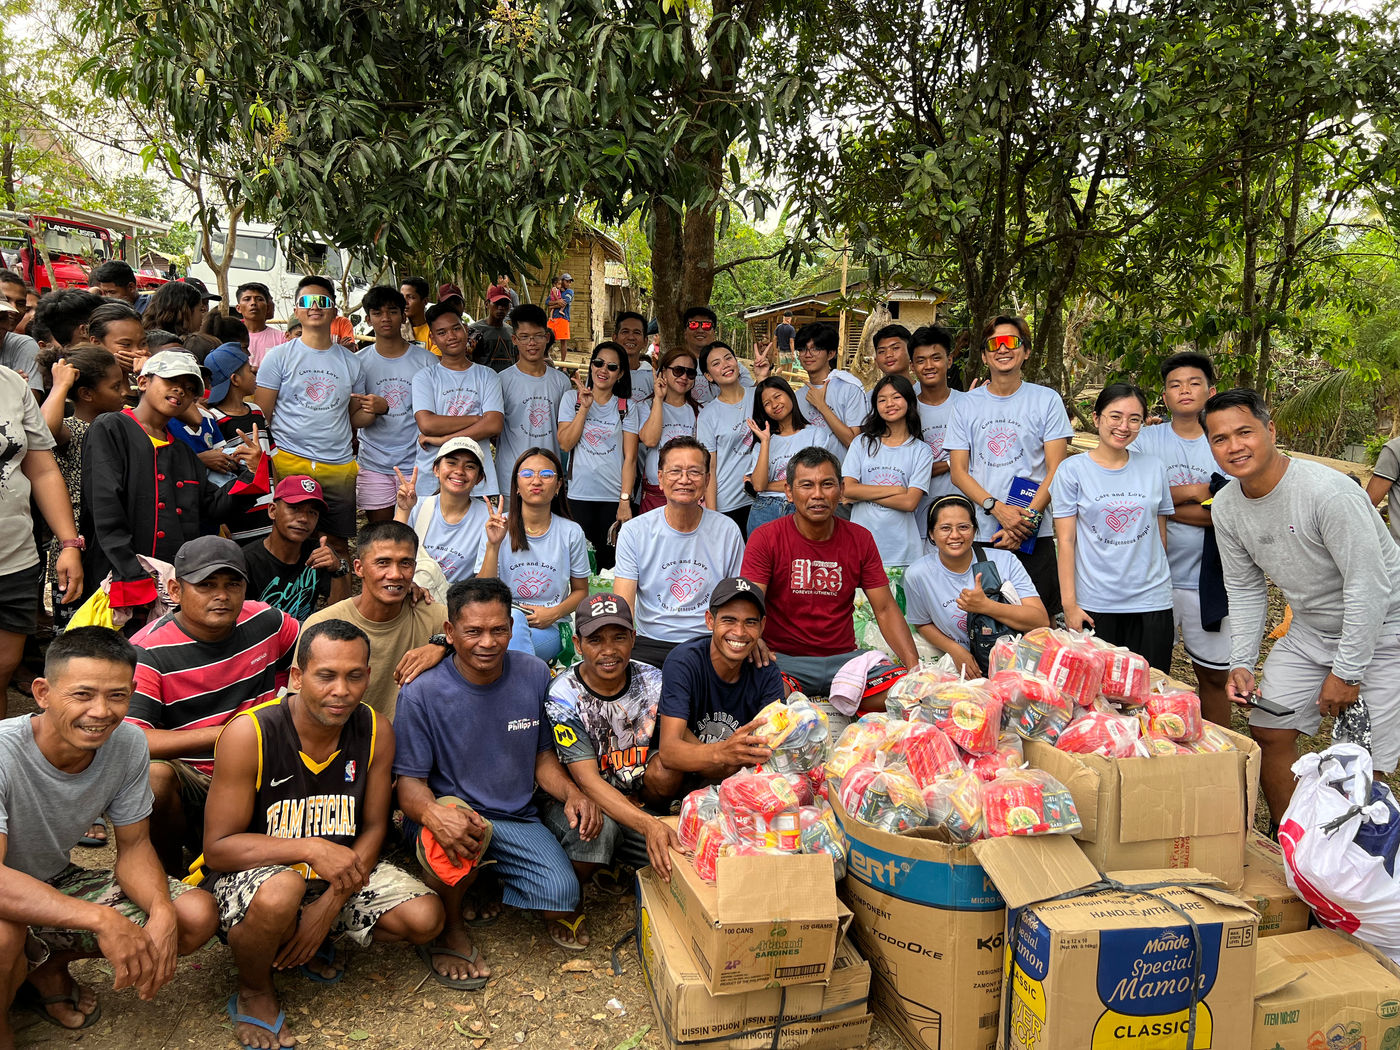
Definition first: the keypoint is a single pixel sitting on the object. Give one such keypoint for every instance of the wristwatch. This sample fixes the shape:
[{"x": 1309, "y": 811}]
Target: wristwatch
[
  {"x": 989, "y": 503},
  {"x": 78, "y": 544},
  {"x": 1350, "y": 683},
  {"x": 343, "y": 569},
  {"x": 440, "y": 639}
]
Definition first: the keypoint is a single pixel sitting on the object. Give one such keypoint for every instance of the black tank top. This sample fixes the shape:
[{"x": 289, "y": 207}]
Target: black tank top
[{"x": 298, "y": 797}]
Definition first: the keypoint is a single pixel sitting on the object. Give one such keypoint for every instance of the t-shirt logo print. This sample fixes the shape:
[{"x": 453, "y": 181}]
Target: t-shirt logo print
[
  {"x": 1002, "y": 442},
  {"x": 539, "y": 414},
  {"x": 1121, "y": 518},
  {"x": 461, "y": 403},
  {"x": 530, "y": 584},
  {"x": 934, "y": 438},
  {"x": 684, "y": 585},
  {"x": 597, "y": 436},
  {"x": 319, "y": 390},
  {"x": 395, "y": 393}
]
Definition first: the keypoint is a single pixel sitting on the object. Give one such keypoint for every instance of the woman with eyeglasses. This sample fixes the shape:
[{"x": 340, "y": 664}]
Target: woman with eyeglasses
[
  {"x": 887, "y": 471},
  {"x": 1111, "y": 509},
  {"x": 538, "y": 552},
  {"x": 724, "y": 431},
  {"x": 599, "y": 428},
  {"x": 780, "y": 431},
  {"x": 941, "y": 590},
  {"x": 679, "y": 414}
]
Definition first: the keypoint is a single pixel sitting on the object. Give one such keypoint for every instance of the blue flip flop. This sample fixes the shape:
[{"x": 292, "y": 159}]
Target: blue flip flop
[
  {"x": 237, "y": 1018},
  {"x": 326, "y": 954}
]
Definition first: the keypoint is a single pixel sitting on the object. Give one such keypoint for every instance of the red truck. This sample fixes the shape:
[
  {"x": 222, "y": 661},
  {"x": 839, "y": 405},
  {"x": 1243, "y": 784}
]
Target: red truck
[{"x": 73, "y": 249}]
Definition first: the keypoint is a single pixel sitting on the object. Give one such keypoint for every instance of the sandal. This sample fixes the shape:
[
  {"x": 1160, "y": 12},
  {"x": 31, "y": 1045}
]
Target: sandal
[
  {"x": 38, "y": 1005},
  {"x": 464, "y": 984},
  {"x": 237, "y": 1018},
  {"x": 615, "y": 882},
  {"x": 326, "y": 954},
  {"x": 90, "y": 840},
  {"x": 572, "y": 927}
]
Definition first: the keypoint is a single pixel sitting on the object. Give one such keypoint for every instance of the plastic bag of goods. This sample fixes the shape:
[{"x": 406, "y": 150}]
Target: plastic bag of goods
[
  {"x": 1008, "y": 754},
  {"x": 954, "y": 803},
  {"x": 1127, "y": 678},
  {"x": 707, "y": 848},
  {"x": 796, "y": 732},
  {"x": 822, "y": 834},
  {"x": 1075, "y": 665},
  {"x": 1028, "y": 802},
  {"x": 973, "y": 716},
  {"x": 885, "y": 799},
  {"x": 922, "y": 750},
  {"x": 1175, "y": 714},
  {"x": 1339, "y": 838},
  {"x": 1101, "y": 733},
  {"x": 858, "y": 744},
  {"x": 1031, "y": 647},
  {"x": 802, "y": 788},
  {"x": 1019, "y": 689},
  {"x": 760, "y": 810},
  {"x": 907, "y": 694},
  {"x": 696, "y": 808},
  {"x": 816, "y": 780},
  {"x": 1003, "y": 655},
  {"x": 1160, "y": 746}
]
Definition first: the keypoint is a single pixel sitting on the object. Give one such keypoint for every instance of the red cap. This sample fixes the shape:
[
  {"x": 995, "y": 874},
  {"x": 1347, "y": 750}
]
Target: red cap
[
  {"x": 298, "y": 488},
  {"x": 447, "y": 291},
  {"x": 495, "y": 293}
]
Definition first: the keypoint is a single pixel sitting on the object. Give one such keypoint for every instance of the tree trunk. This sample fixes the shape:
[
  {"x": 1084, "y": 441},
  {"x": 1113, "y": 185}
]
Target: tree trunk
[
  {"x": 667, "y": 271},
  {"x": 7, "y": 175}
]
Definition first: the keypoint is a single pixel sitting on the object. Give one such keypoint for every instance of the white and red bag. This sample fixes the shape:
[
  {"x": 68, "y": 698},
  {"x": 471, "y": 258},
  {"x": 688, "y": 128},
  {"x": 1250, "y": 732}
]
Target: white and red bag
[{"x": 1347, "y": 887}]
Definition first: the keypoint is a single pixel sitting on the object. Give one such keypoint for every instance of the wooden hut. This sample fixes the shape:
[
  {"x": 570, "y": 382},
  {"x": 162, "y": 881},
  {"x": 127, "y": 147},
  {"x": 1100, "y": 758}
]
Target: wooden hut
[{"x": 600, "y": 283}]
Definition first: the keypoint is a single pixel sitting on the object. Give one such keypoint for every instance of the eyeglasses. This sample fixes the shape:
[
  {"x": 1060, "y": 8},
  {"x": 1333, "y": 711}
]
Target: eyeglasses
[
  {"x": 538, "y": 337},
  {"x": 691, "y": 473},
  {"x": 681, "y": 372},
  {"x": 611, "y": 366},
  {"x": 1010, "y": 342},
  {"x": 315, "y": 302},
  {"x": 547, "y": 473},
  {"x": 698, "y": 325}
]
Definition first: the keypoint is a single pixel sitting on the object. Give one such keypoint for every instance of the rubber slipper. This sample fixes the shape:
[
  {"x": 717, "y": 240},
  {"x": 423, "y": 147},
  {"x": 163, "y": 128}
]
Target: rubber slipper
[
  {"x": 37, "y": 1005},
  {"x": 481, "y": 921},
  {"x": 237, "y": 1018},
  {"x": 572, "y": 927},
  {"x": 615, "y": 882},
  {"x": 464, "y": 984},
  {"x": 326, "y": 954},
  {"x": 91, "y": 841}
]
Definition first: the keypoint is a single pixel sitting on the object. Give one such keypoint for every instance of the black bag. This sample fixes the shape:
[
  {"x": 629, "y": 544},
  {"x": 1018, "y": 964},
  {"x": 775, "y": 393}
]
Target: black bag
[{"x": 983, "y": 630}]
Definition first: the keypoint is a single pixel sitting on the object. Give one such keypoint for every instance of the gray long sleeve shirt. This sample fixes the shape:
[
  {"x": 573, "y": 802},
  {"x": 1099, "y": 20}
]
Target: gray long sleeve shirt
[{"x": 1318, "y": 538}]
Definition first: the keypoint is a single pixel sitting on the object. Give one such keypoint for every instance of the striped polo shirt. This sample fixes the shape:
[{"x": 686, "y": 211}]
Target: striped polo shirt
[{"x": 182, "y": 683}]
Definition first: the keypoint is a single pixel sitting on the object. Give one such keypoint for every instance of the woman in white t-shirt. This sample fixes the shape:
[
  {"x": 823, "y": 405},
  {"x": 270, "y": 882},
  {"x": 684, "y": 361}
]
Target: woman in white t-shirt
[
  {"x": 672, "y": 412},
  {"x": 887, "y": 471},
  {"x": 538, "y": 552},
  {"x": 451, "y": 526},
  {"x": 780, "y": 431},
  {"x": 941, "y": 591},
  {"x": 1111, "y": 509}
]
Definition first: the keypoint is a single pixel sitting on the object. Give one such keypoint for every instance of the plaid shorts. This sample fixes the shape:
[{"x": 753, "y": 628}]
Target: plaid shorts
[
  {"x": 95, "y": 886},
  {"x": 386, "y": 888}
]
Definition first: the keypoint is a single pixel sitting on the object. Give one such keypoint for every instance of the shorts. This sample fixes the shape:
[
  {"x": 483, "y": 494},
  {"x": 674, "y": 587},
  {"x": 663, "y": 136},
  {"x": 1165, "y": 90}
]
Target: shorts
[
  {"x": 376, "y": 491},
  {"x": 1293, "y": 675},
  {"x": 194, "y": 793},
  {"x": 1149, "y": 634},
  {"x": 613, "y": 844},
  {"x": 532, "y": 868},
  {"x": 560, "y": 327},
  {"x": 19, "y": 599},
  {"x": 386, "y": 888},
  {"x": 1205, "y": 648},
  {"x": 653, "y": 650},
  {"x": 337, "y": 484},
  {"x": 95, "y": 886}
]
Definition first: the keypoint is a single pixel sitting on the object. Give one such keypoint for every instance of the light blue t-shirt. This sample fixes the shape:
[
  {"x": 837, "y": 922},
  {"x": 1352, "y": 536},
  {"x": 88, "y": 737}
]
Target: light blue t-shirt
[
  {"x": 456, "y": 548},
  {"x": 931, "y": 590},
  {"x": 676, "y": 571},
  {"x": 844, "y": 396},
  {"x": 531, "y": 407},
  {"x": 676, "y": 421},
  {"x": 596, "y": 470},
  {"x": 1188, "y": 463},
  {"x": 1119, "y": 563},
  {"x": 897, "y": 535},
  {"x": 704, "y": 391},
  {"x": 543, "y": 573},
  {"x": 447, "y": 392},
  {"x": 312, "y": 415},
  {"x": 724, "y": 430},
  {"x": 643, "y": 382},
  {"x": 782, "y": 447},
  {"x": 934, "y": 420},
  {"x": 1005, "y": 438},
  {"x": 392, "y": 439}
]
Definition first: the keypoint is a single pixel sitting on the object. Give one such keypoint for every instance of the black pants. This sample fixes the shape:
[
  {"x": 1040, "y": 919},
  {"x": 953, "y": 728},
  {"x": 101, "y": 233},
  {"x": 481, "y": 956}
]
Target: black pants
[
  {"x": 740, "y": 517},
  {"x": 1149, "y": 634},
  {"x": 1044, "y": 573},
  {"x": 596, "y": 518},
  {"x": 651, "y": 651}
]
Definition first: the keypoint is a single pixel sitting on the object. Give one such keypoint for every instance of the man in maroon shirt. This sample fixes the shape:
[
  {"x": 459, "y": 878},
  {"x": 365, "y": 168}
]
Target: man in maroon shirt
[{"x": 809, "y": 565}]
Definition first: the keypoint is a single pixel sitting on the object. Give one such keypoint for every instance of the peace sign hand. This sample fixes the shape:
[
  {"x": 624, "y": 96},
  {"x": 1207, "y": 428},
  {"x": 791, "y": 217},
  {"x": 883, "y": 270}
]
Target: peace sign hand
[
  {"x": 585, "y": 392},
  {"x": 496, "y": 523},
  {"x": 407, "y": 493},
  {"x": 251, "y": 453}
]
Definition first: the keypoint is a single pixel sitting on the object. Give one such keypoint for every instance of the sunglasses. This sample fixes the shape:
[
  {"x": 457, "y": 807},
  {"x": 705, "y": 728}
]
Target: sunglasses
[
  {"x": 546, "y": 473},
  {"x": 700, "y": 326},
  {"x": 315, "y": 302},
  {"x": 1010, "y": 342},
  {"x": 681, "y": 372},
  {"x": 611, "y": 366}
]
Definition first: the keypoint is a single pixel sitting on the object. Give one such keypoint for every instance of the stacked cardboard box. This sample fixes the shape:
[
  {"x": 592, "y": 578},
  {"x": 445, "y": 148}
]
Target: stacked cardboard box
[
  {"x": 1319, "y": 988},
  {"x": 1280, "y": 908}
]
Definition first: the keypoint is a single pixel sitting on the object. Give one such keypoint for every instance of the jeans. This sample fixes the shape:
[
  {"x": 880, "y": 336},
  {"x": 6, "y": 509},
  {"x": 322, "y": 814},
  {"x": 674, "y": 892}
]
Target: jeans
[{"x": 766, "y": 509}]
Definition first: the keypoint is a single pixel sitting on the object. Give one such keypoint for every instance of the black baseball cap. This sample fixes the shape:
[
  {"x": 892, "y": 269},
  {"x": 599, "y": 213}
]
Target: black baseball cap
[
  {"x": 734, "y": 587},
  {"x": 200, "y": 558},
  {"x": 602, "y": 610}
]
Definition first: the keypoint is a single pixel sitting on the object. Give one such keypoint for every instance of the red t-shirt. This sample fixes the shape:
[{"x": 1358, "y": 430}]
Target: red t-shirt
[{"x": 811, "y": 585}]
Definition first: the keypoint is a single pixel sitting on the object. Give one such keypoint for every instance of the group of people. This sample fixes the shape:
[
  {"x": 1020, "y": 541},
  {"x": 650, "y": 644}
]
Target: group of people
[{"x": 252, "y": 729}]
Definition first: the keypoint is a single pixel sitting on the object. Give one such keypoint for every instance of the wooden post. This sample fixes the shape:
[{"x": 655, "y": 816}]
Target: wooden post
[{"x": 841, "y": 320}]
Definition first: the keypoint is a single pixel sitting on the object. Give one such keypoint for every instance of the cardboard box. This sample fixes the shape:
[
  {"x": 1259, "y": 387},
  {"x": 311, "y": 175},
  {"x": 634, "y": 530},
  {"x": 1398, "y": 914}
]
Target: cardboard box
[
  {"x": 1280, "y": 908},
  {"x": 1319, "y": 989},
  {"x": 931, "y": 924},
  {"x": 1095, "y": 966},
  {"x": 768, "y": 921},
  {"x": 827, "y": 1016},
  {"x": 1175, "y": 811}
]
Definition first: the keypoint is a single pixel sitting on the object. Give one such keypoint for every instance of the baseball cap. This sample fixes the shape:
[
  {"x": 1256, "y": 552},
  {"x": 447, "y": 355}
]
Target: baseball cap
[
  {"x": 566, "y": 277},
  {"x": 737, "y": 587},
  {"x": 461, "y": 444},
  {"x": 200, "y": 558},
  {"x": 208, "y": 295},
  {"x": 496, "y": 293},
  {"x": 447, "y": 291},
  {"x": 435, "y": 859},
  {"x": 223, "y": 361},
  {"x": 172, "y": 364},
  {"x": 7, "y": 307},
  {"x": 298, "y": 488},
  {"x": 602, "y": 610}
]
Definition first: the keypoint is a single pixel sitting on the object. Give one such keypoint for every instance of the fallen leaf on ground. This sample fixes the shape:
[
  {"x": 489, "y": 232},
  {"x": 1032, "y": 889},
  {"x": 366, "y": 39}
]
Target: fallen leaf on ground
[
  {"x": 635, "y": 1040},
  {"x": 577, "y": 966},
  {"x": 537, "y": 995},
  {"x": 358, "y": 1034}
]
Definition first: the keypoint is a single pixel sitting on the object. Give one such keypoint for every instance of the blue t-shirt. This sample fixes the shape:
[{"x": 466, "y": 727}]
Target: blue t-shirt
[
  {"x": 676, "y": 421},
  {"x": 456, "y": 548},
  {"x": 931, "y": 590},
  {"x": 712, "y": 707},
  {"x": 782, "y": 448},
  {"x": 531, "y": 407},
  {"x": 444, "y": 391},
  {"x": 1189, "y": 462},
  {"x": 724, "y": 430},
  {"x": 844, "y": 396},
  {"x": 1119, "y": 562},
  {"x": 898, "y": 536},
  {"x": 477, "y": 742},
  {"x": 676, "y": 571},
  {"x": 596, "y": 470},
  {"x": 543, "y": 573},
  {"x": 392, "y": 439},
  {"x": 313, "y": 387}
]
